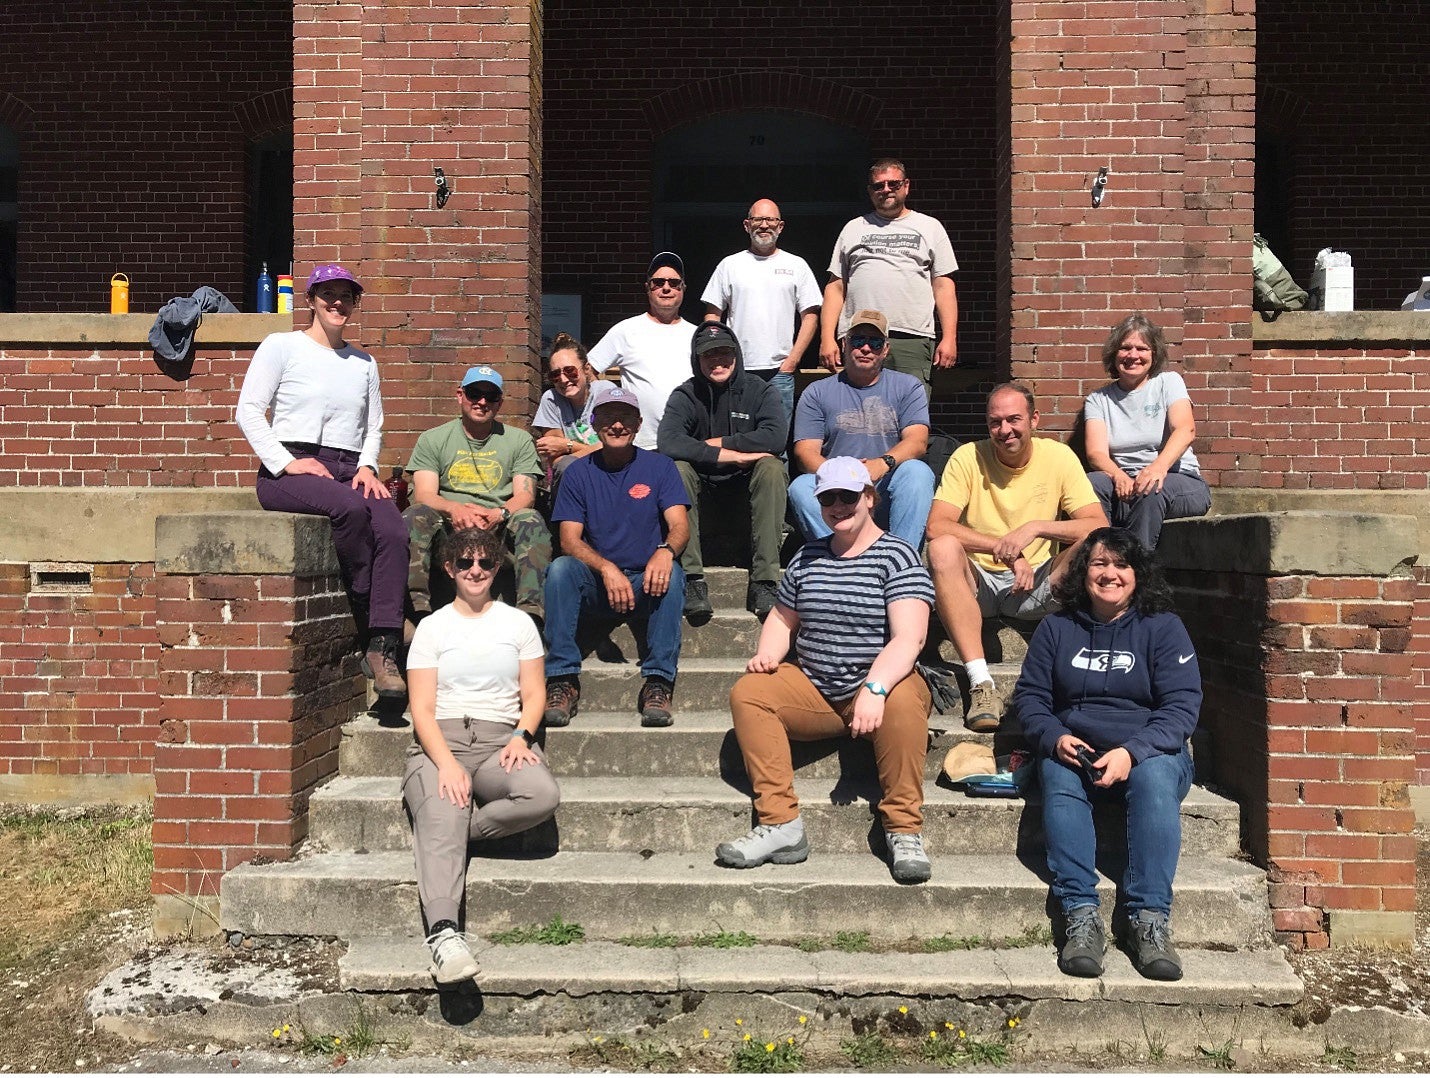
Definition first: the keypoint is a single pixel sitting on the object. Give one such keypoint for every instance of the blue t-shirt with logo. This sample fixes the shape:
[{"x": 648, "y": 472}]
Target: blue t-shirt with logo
[
  {"x": 867, "y": 422},
  {"x": 622, "y": 510}
]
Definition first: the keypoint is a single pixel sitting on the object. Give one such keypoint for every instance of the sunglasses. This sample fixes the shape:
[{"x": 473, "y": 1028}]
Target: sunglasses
[
  {"x": 666, "y": 282},
  {"x": 842, "y": 497},
  {"x": 486, "y": 565},
  {"x": 571, "y": 374},
  {"x": 475, "y": 394},
  {"x": 892, "y": 185},
  {"x": 859, "y": 340}
]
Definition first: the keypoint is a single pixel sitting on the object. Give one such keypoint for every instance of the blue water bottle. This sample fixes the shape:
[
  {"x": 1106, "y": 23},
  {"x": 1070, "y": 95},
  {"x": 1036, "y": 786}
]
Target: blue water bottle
[{"x": 267, "y": 301}]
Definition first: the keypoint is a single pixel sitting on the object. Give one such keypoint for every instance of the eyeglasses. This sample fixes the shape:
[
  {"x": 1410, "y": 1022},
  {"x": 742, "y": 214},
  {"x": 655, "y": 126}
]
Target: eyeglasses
[
  {"x": 476, "y": 394},
  {"x": 892, "y": 185},
  {"x": 764, "y": 221},
  {"x": 463, "y": 565},
  {"x": 843, "y": 497},
  {"x": 666, "y": 282},
  {"x": 571, "y": 374},
  {"x": 860, "y": 340}
]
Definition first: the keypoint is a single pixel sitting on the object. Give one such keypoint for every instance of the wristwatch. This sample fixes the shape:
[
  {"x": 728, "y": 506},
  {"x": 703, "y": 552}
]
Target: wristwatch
[
  {"x": 528, "y": 737},
  {"x": 889, "y": 462},
  {"x": 876, "y": 688},
  {"x": 666, "y": 546},
  {"x": 505, "y": 514}
]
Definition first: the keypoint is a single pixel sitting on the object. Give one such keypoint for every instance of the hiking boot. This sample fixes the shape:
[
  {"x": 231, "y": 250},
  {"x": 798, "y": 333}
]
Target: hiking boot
[
  {"x": 562, "y": 696},
  {"x": 381, "y": 659},
  {"x": 782, "y": 843},
  {"x": 452, "y": 958},
  {"x": 1150, "y": 938},
  {"x": 1086, "y": 943},
  {"x": 908, "y": 861},
  {"x": 761, "y": 599},
  {"x": 654, "y": 702},
  {"x": 985, "y": 709},
  {"x": 697, "y": 601}
]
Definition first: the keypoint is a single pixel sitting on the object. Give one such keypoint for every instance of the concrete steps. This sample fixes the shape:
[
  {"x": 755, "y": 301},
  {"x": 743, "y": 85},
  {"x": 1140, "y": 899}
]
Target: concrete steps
[
  {"x": 384, "y": 964},
  {"x": 692, "y": 813},
  {"x": 1220, "y": 902}
]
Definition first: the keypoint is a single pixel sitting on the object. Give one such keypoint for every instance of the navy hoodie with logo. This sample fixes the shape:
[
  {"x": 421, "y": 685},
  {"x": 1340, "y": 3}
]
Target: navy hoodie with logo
[
  {"x": 1131, "y": 682},
  {"x": 745, "y": 414}
]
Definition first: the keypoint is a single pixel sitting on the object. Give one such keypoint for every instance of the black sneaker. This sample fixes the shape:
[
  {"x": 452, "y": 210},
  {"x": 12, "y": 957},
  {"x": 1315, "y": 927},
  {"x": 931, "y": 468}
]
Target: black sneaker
[
  {"x": 761, "y": 599},
  {"x": 654, "y": 703},
  {"x": 562, "y": 696},
  {"x": 1086, "y": 943},
  {"x": 697, "y": 601},
  {"x": 1150, "y": 939}
]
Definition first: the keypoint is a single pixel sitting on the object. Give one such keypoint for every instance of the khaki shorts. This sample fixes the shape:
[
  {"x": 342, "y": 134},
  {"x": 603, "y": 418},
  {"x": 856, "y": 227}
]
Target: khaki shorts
[{"x": 996, "y": 597}]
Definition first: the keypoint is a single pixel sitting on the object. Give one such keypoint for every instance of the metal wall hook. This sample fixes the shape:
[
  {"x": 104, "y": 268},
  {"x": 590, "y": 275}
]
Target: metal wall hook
[
  {"x": 1098, "y": 186},
  {"x": 444, "y": 189}
]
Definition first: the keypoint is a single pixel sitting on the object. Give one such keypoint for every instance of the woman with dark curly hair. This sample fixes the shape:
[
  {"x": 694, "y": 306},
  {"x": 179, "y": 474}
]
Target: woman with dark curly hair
[
  {"x": 1139, "y": 433},
  {"x": 477, "y": 688},
  {"x": 1109, "y": 694}
]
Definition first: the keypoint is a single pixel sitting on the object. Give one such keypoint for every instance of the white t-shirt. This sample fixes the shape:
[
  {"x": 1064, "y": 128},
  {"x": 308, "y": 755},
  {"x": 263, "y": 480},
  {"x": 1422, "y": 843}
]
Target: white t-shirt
[
  {"x": 478, "y": 660},
  {"x": 765, "y": 295},
  {"x": 1137, "y": 426},
  {"x": 889, "y": 266},
  {"x": 654, "y": 358},
  {"x": 329, "y": 398}
]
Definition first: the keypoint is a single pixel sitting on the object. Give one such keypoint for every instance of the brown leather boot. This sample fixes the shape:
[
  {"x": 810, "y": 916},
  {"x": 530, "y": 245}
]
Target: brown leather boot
[{"x": 381, "y": 656}]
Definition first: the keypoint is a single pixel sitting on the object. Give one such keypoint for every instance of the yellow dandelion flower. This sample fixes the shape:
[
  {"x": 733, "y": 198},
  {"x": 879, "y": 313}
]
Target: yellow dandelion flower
[
  {"x": 1014, "y": 1022},
  {"x": 739, "y": 1021},
  {"x": 747, "y": 1037},
  {"x": 337, "y": 1041},
  {"x": 903, "y": 1010},
  {"x": 962, "y": 1034},
  {"x": 803, "y": 1019},
  {"x": 705, "y": 1033},
  {"x": 770, "y": 1047},
  {"x": 933, "y": 1034},
  {"x": 286, "y": 1027},
  {"x": 278, "y": 1033},
  {"x": 789, "y": 1040},
  {"x": 948, "y": 1025},
  {"x": 598, "y": 1040}
]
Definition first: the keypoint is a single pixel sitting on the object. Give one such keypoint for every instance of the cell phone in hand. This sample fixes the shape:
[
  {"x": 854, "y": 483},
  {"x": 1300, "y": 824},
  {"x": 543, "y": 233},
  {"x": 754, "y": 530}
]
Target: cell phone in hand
[{"x": 1085, "y": 758}]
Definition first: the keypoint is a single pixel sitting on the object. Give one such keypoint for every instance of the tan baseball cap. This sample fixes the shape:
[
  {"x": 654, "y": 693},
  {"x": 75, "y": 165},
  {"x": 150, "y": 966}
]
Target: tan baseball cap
[{"x": 870, "y": 318}]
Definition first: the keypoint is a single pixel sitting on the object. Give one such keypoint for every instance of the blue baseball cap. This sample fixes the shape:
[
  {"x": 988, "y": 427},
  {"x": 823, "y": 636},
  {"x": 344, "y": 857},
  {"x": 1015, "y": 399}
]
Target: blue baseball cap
[{"x": 481, "y": 373}]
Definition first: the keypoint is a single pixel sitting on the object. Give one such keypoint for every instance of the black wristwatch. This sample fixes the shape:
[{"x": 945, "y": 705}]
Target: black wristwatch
[
  {"x": 889, "y": 462},
  {"x": 528, "y": 737}
]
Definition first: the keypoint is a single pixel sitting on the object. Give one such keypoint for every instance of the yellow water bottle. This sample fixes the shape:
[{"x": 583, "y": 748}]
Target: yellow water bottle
[
  {"x": 119, "y": 294},
  {"x": 285, "y": 293}
]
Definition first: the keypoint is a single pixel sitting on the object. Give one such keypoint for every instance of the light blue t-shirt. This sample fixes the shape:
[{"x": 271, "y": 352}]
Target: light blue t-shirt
[
  {"x": 863, "y": 423},
  {"x": 1137, "y": 422}
]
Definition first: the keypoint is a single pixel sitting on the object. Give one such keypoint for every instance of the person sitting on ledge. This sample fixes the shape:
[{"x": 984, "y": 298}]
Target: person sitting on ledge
[{"x": 319, "y": 455}]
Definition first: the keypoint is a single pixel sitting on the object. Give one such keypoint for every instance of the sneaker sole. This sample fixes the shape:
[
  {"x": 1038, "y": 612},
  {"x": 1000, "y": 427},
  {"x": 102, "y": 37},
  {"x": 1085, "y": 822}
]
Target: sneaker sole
[
  {"x": 913, "y": 874},
  {"x": 982, "y": 724},
  {"x": 789, "y": 855},
  {"x": 1161, "y": 970},
  {"x": 463, "y": 973},
  {"x": 699, "y": 617},
  {"x": 557, "y": 718},
  {"x": 391, "y": 694},
  {"x": 1081, "y": 967},
  {"x": 656, "y": 719}
]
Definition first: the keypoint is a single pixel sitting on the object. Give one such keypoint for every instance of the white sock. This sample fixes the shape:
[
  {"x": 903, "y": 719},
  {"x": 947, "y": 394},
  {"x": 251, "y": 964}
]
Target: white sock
[{"x": 978, "y": 672}]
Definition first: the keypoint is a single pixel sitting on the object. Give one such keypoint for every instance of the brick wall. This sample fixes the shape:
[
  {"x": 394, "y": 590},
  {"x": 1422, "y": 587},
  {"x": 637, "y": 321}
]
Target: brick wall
[
  {"x": 133, "y": 142},
  {"x": 1344, "y": 82},
  {"x": 256, "y": 677},
  {"x": 78, "y": 674}
]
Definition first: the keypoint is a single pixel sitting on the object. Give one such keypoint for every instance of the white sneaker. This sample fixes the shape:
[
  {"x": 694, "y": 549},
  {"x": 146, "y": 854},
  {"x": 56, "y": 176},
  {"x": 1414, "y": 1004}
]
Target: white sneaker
[
  {"x": 782, "y": 843},
  {"x": 452, "y": 958},
  {"x": 909, "y": 862}
]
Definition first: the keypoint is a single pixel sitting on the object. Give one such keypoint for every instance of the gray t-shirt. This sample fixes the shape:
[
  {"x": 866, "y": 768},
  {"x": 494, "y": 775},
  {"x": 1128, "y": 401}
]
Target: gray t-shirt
[
  {"x": 1137, "y": 426},
  {"x": 556, "y": 413},
  {"x": 889, "y": 266},
  {"x": 864, "y": 423}
]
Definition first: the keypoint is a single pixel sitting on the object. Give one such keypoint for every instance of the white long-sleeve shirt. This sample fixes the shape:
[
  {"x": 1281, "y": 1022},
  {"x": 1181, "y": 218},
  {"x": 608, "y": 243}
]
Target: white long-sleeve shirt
[{"x": 329, "y": 398}]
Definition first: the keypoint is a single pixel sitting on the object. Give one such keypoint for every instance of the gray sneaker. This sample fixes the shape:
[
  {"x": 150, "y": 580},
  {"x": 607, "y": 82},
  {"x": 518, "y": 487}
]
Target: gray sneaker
[
  {"x": 782, "y": 843},
  {"x": 761, "y": 598},
  {"x": 908, "y": 861},
  {"x": 985, "y": 709},
  {"x": 452, "y": 958},
  {"x": 1150, "y": 937},
  {"x": 1086, "y": 943}
]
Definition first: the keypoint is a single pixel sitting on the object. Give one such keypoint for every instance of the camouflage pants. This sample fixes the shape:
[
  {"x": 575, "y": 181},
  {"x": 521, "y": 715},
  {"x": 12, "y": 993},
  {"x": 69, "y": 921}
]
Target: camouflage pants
[{"x": 526, "y": 536}]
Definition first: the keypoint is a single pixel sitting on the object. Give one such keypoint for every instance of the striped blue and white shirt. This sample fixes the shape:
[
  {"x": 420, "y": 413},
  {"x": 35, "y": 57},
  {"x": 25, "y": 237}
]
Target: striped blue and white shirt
[{"x": 843, "y": 607}]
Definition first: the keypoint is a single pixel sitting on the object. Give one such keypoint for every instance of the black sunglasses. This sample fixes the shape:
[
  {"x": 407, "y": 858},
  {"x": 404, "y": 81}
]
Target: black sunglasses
[
  {"x": 860, "y": 341},
  {"x": 477, "y": 393},
  {"x": 486, "y": 565},
  {"x": 666, "y": 282},
  {"x": 892, "y": 185},
  {"x": 843, "y": 497}
]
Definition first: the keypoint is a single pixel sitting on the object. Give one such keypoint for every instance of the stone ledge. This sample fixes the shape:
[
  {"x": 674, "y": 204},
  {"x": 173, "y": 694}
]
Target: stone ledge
[
  {"x": 185, "y": 916},
  {"x": 1291, "y": 543},
  {"x": 251, "y": 543},
  {"x": 1235, "y": 501},
  {"x": 1349, "y": 328},
  {"x": 92, "y": 524},
  {"x": 133, "y": 329},
  {"x": 68, "y": 790},
  {"x": 1372, "y": 928}
]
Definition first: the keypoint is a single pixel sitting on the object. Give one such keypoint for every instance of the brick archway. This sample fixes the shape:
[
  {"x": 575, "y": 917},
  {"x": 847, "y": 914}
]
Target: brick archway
[{"x": 748, "y": 90}]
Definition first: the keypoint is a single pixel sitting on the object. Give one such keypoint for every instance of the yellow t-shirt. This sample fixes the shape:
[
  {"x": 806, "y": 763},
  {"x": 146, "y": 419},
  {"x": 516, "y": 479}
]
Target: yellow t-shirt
[{"x": 996, "y": 499}]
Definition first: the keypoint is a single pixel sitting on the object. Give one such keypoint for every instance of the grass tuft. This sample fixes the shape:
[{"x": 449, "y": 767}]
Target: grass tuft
[{"x": 555, "y": 933}]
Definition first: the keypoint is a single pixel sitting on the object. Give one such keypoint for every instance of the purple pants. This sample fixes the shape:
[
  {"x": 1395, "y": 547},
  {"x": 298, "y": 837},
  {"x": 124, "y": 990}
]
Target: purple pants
[{"x": 370, "y": 534}]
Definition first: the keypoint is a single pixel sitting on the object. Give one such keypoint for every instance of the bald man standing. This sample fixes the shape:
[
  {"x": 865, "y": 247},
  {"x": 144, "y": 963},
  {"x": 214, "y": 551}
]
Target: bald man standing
[{"x": 771, "y": 300}]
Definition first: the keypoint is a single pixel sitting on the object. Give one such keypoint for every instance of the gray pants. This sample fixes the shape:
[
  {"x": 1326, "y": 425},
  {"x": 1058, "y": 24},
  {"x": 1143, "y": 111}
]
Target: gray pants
[
  {"x": 1181, "y": 496},
  {"x": 501, "y": 804}
]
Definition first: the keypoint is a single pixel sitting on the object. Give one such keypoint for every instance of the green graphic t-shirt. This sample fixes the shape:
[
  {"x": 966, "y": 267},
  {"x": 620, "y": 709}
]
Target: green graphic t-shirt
[{"x": 475, "y": 471}]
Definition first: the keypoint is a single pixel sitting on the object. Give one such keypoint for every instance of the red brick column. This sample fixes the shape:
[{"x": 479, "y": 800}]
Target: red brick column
[
  {"x": 256, "y": 675},
  {"x": 384, "y": 91},
  {"x": 1303, "y": 629}
]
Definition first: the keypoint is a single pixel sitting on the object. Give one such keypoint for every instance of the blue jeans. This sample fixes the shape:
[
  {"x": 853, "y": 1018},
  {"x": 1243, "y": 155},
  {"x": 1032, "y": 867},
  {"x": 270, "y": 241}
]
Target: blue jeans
[
  {"x": 905, "y": 497},
  {"x": 573, "y": 590},
  {"x": 783, "y": 381},
  {"x": 1142, "y": 515},
  {"x": 1152, "y": 795}
]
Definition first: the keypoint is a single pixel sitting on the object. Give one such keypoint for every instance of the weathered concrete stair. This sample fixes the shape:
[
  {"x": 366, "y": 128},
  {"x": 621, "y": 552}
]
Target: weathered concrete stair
[{"x": 631, "y": 853}]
